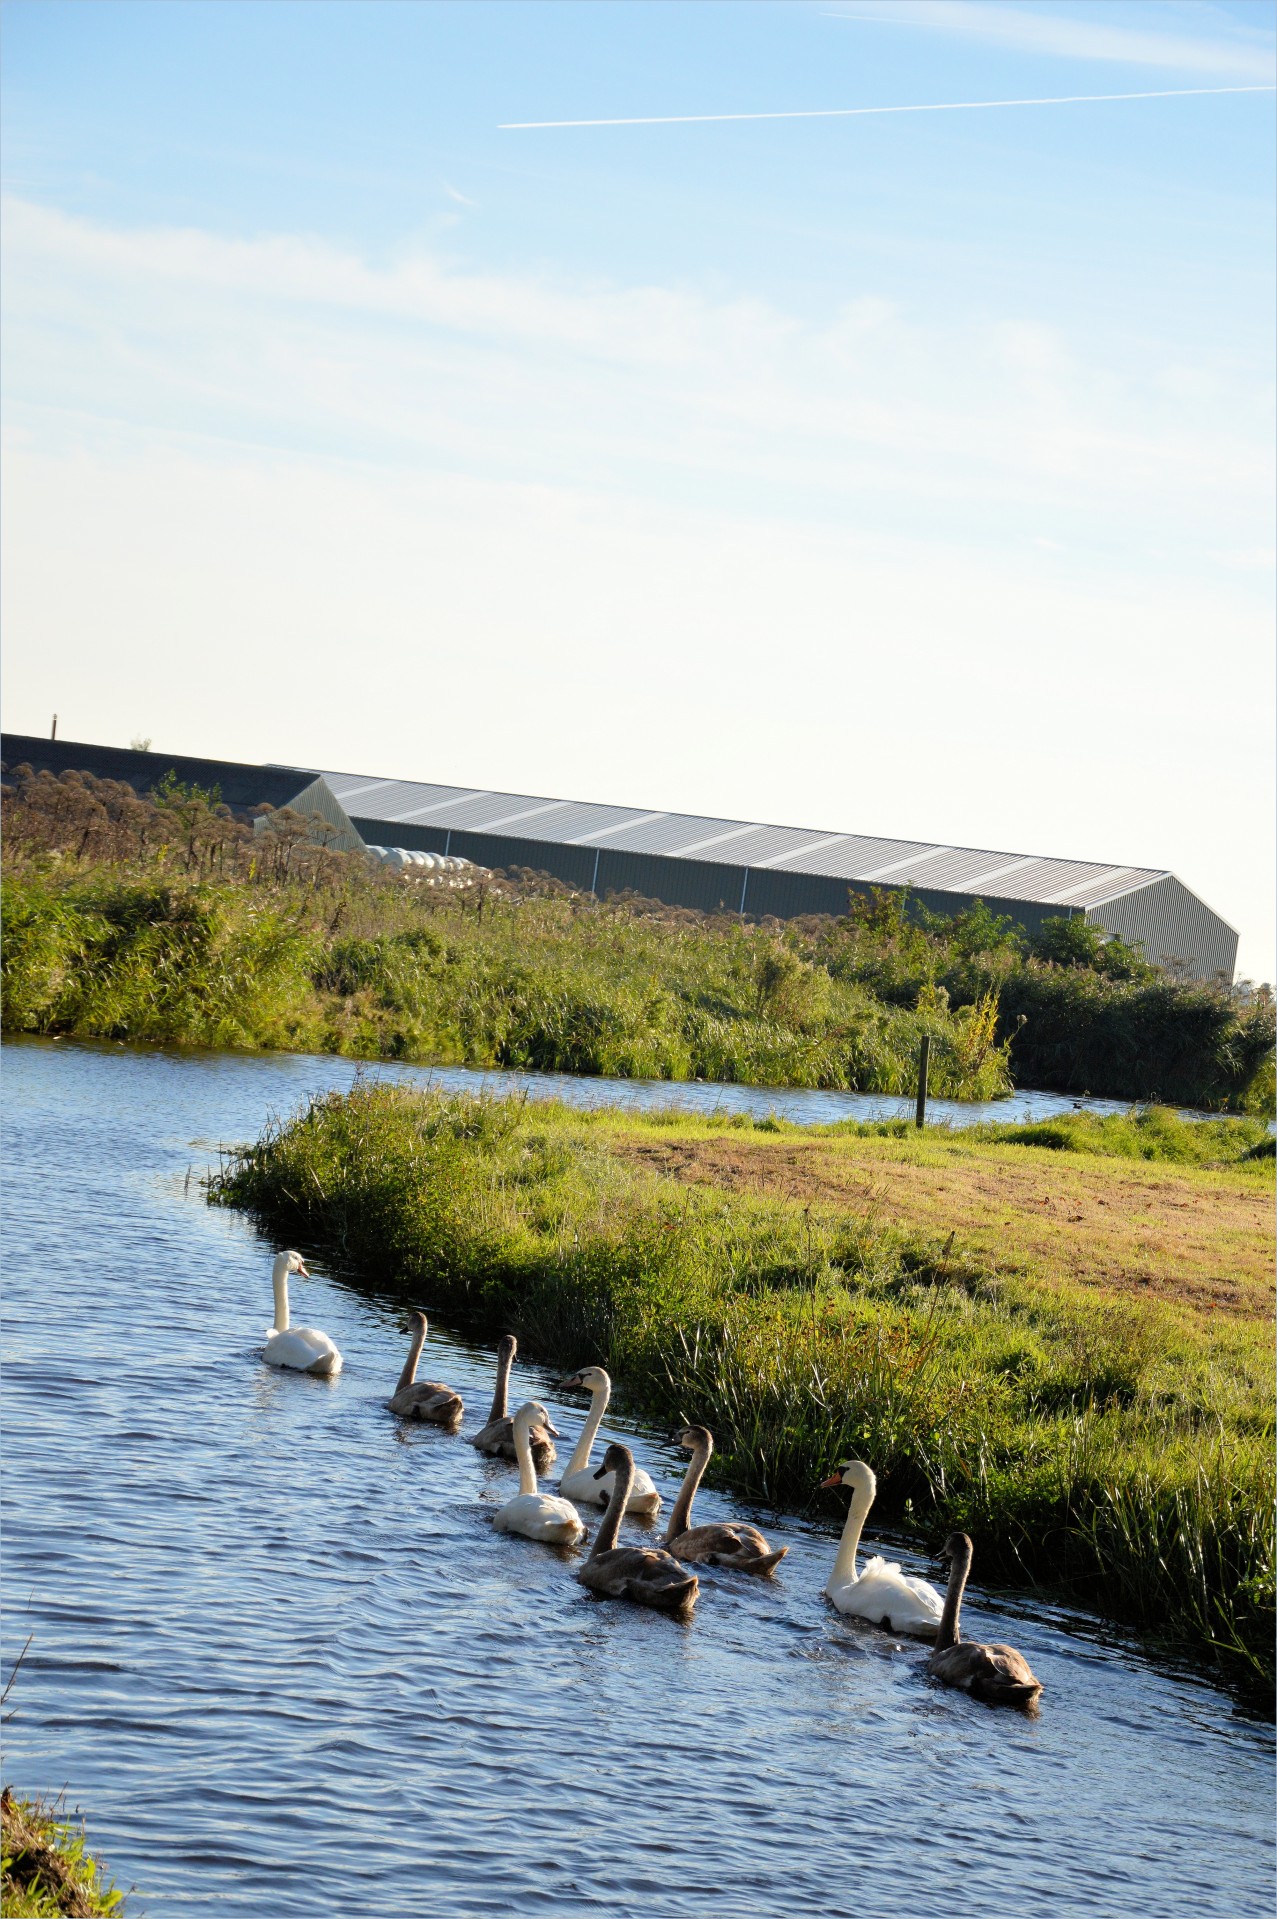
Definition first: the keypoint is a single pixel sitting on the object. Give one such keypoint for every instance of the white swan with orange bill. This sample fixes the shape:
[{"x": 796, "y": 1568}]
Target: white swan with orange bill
[{"x": 882, "y": 1593}]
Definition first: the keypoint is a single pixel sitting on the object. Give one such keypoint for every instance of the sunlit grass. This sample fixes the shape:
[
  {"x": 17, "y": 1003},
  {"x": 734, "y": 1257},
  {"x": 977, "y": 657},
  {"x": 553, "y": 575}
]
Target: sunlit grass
[{"x": 533, "y": 984}]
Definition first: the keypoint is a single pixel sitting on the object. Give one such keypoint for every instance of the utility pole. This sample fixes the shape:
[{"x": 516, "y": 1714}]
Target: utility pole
[{"x": 54, "y": 733}]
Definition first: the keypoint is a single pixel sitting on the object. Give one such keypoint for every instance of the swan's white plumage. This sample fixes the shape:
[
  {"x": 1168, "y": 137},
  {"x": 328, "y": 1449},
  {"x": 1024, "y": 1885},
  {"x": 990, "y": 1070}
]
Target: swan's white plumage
[
  {"x": 536, "y": 1515},
  {"x": 589, "y": 1491},
  {"x": 882, "y": 1593},
  {"x": 578, "y": 1481},
  {"x": 541, "y": 1516},
  {"x": 302, "y": 1349},
  {"x": 889, "y": 1597}
]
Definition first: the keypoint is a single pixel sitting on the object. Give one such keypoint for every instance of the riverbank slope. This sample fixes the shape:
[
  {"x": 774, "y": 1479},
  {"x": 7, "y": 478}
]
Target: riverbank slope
[{"x": 1064, "y": 1348}]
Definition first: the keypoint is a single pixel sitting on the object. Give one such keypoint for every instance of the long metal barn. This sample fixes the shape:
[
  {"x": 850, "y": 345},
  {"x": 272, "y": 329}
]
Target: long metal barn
[{"x": 683, "y": 859}]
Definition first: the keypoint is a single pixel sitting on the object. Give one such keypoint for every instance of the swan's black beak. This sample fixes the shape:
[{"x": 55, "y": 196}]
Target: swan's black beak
[{"x": 601, "y": 1473}]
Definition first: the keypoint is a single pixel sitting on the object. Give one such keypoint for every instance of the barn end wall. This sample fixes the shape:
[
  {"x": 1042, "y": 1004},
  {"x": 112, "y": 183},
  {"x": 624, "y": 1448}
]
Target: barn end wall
[{"x": 1175, "y": 928}]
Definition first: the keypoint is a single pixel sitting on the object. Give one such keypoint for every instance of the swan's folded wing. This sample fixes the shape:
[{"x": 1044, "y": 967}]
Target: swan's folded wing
[{"x": 925, "y": 1593}]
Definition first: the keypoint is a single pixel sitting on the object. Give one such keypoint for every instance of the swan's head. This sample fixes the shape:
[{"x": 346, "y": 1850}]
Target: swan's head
[
  {"x": 855, "y": 1475},
  {"x": 507, "y": 1347},
  {"x": 534, "y": 1414},
  {"x": 956, "y": 1546},
  {"x": 590, "y": 1379},
  {"x": 616, "y": 1459},
  {"x": 291, "y": 1263},
  {"x": 693, "y": 1438}
]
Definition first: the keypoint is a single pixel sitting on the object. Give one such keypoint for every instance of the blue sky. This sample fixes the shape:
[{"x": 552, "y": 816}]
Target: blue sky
[{"x": 909, "y": 474}]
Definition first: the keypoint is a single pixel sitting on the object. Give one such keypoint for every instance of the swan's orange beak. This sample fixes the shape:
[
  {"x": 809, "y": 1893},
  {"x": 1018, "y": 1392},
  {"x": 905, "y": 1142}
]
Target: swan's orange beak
[
  {"x": 303, "y": 1272},
  {"x": 834, "y": 1479}
]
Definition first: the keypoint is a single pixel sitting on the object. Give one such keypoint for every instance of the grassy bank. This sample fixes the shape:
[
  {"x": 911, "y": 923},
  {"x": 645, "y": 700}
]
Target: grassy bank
[
  {"x": 164, "y": 919},
  {"x": 46, "y": 1868},
  {"x": 544, "y": 983},
  {"x": 1066, "y": 1352}
]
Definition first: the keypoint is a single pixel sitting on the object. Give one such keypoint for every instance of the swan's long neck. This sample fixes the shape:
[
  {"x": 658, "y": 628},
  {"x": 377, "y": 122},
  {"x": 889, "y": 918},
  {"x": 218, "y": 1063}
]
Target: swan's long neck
[
  {"x": 845, "y": 1564},
  {"x": 950, "y": 1631},
  {"x": 681, "y": 1517},
  {"x": 599, "y": 1396},
  {"x": 505, "y": 1359},
  {"x": 409, "y": 1372},
  {"x": 618, "y": 1500},
  {"x": 279, "y": 1279},
  {"x": 523, "y": 1451}
]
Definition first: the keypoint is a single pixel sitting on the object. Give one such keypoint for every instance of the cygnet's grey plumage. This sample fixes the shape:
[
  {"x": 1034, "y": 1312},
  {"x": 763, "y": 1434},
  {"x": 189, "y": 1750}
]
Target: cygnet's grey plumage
[
  {"x": 998, "y": 1675},
  {"x": 733, "y": 1544},
  {"x": 427, "y": 1399},
  {"x": 647, "y": 1575}
]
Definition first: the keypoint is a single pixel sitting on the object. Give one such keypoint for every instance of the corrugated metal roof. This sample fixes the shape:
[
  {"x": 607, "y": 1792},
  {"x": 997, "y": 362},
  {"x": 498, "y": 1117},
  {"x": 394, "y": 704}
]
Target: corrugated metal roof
[{"x": 788, "y": 849}]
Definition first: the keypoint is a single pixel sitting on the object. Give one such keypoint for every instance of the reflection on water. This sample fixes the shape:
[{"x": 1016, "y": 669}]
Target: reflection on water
[{"x": 286, "y": 1665}]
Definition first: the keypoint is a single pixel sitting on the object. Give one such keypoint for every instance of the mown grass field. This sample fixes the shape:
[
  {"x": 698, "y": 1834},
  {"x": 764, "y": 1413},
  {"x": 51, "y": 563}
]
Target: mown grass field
[{"x": 1065, "y": 1348}]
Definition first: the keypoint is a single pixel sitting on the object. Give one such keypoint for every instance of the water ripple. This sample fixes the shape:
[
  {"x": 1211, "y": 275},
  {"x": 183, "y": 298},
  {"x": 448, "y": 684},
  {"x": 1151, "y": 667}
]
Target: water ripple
[{"x": 287, "y": 1666}]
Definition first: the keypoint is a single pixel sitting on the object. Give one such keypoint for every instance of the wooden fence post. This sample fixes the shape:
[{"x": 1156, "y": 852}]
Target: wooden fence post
[{"x": 924, "y": 1062}]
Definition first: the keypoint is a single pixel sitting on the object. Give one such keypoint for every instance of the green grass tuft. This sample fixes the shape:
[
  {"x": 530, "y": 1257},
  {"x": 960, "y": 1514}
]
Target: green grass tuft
[{"x": 46, "y": 1869}]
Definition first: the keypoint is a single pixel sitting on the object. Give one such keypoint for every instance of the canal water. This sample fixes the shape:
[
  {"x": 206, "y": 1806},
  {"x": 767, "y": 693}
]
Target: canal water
[{"x": 285, "y": 1665}]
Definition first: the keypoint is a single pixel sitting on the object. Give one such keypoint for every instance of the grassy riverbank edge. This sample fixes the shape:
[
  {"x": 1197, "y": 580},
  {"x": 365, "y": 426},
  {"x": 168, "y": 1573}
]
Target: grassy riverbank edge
[
  {"x": 46, "y": 1867},
  {"x": 190, "y": 929},
  {"x": 1115, "y": 1455}
]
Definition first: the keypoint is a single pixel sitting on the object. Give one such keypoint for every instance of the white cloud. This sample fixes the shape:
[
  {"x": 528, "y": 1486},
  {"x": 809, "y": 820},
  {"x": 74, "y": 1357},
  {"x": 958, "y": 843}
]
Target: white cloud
[
  {"x": 1076, "y": 36},
  {"x": 281, "y": 341}
]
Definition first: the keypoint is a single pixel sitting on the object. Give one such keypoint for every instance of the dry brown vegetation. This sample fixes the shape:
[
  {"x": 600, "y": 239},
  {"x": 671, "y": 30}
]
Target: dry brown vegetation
[{"x": 1198, "y": 1237}]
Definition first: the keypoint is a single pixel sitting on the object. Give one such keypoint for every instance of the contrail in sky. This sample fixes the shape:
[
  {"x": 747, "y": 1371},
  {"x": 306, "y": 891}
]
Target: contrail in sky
[{"x": 849, "y": 113}]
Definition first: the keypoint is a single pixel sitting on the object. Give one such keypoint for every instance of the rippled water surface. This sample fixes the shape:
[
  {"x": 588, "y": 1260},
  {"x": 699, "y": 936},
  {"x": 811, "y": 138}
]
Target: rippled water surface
[{"x": 286, "y": 1666}]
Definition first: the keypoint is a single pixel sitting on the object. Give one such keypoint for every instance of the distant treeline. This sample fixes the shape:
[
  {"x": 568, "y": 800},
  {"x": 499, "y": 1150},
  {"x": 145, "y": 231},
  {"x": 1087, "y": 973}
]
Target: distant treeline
[{"x": 165, "y": 918}]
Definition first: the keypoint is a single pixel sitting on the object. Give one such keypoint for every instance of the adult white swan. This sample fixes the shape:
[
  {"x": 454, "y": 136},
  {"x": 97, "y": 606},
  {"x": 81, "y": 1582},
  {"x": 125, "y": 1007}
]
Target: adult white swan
[
  {"x": 881, "y": 1593},
  {"x": 299, "y": 1347},
  {"x": 427, "y": 1399},
  {"x": 536, "y": 1515},
  {"x": 578, "y": 1482}
]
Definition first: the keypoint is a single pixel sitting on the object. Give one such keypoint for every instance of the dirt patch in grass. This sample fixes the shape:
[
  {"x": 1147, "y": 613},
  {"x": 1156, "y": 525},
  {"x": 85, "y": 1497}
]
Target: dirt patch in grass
[{"x": 1196, "y": 1238}]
